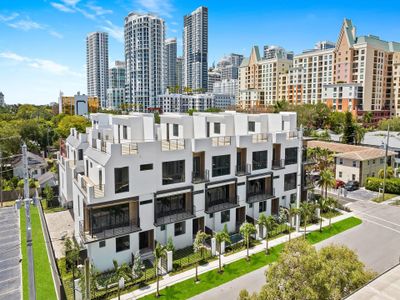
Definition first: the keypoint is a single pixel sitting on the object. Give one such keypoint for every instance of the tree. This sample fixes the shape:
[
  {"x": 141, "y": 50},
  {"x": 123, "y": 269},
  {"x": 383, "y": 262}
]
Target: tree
[
  {"x": 170, "y": 244},
  {"x": 322, "y": 157},
  {"x": 93, "y": 275},
  {"x": 246, "y": 230},
  {"x": 336, "y": 121},
  {"x": 393, "y": 123},
  {"x": 306, "y": 212},
  {"x": 292, "y": 212},
  {"x": 159, "y": 253},
  {"x": 326, "y": 180},
  {"x": 220, "y": 237},
  {"x": 359, "y": 133},
  {"x": 78, "y": 122},
  {"x": 137, "y": 268},
  {"x": 332, "y": 204},
  {"x": 280, "y": 106},
  {"x": 367, "y": 117},
  {"x": 269, "y": 224},
  {"x": 71, "y": 250},
  {"x": 48, "y": 194},
  {"x": 389, "y": 173},
  {"x": 303, "y": 273},
  {"x": 121, "y": 271},
  {"x": 348, "y": 136},
  {"x": 199, "y": 245},
  {"x": 323, "y": 205}
]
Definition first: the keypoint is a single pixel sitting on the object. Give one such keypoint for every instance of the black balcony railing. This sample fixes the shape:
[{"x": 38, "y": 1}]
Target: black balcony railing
[
  {"x": 278, "y": 164},
  {"x": 243, "y": 169},
  {"x": 173, "y": 178},
  {"x": 200, "y": 176},
  {"x": 215, "y": 205},
  {"x": 257, "y": 197},
  {"x": 169, "y": 217}
]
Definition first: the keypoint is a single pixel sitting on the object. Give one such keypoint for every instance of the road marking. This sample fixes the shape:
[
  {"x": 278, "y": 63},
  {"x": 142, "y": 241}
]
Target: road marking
[
  {"x": 9, "y": 259},
  {"x": 9, "y": 279},
  {"x": 10, "y": 268},
  {"x": 384, "y": 226},
  {"x": 11, "y": 291},
  {"x": 395, "y": 224}
]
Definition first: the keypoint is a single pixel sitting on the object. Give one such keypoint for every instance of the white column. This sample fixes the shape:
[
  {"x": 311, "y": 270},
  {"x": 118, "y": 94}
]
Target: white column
[
  {"x": 222, "y": 247},
  {"x": 213, "y": 247},
  {"x": 169, "y": 261}
]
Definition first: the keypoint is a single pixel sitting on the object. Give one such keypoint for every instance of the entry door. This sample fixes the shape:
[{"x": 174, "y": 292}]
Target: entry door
[
  {"x": 239, "y": 159},
  {"x": 196, "y": 165},
  {"x": 143, "y": 240}
]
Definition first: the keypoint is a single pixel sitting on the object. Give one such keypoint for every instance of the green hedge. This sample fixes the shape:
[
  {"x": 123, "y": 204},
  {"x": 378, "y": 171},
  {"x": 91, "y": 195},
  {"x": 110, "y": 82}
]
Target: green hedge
[{"x": 392, "y": 185}]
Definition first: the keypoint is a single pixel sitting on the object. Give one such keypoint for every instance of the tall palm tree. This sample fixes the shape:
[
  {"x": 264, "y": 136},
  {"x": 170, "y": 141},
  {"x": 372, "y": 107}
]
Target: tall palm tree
[
  {"x": 221, "y": 236},
  {"x": 306, "y": 211},
  {"x": 159, "y": 252},
  {"x": 323, "y": 205},
  {"x": 246, "y": 230},
  {"x": 332, "y": 203},
  {"x": 269, "y": 224},
  {"x": 326, "y": 180},
  {"x": 121, "y": 271},
  {"x": 389, "y": 172},
  {"x": 199, "y": 245}
]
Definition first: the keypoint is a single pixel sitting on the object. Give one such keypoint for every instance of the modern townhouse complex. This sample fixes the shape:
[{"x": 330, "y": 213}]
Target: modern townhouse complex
[
  {"x": 138, "y": 182},
  {"x": 97, "y": 66},
  {"x": 116, "y": 85}
]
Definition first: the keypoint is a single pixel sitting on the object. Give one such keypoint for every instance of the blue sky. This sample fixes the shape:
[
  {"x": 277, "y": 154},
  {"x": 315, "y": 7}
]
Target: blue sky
[{"x": 42, "y": 42}]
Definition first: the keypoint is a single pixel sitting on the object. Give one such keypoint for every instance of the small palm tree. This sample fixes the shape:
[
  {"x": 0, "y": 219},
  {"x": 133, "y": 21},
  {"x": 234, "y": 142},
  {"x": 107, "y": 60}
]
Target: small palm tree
[
  {"x": 246, "y": 230},
  {"x": 199, "y": 245},
  {"x": 222, "y": 236},
  {"x": 306, "y": 211},
  {"x": 269, "y": 224},
  {"x": 389, "y": 172},
  {"x": 159, "y": 253},
  {"x": 292, "y": 212},
  {"x": 332, "y": 203},
  {"x": 326, "y": 180},
  {"x": 323, "y": 205},
  {"x": 121, "y": 271}
]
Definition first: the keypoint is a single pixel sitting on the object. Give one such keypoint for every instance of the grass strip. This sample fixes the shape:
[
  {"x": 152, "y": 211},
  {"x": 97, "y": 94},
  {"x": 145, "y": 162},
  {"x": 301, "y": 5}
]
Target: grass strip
[{"x": 211, "y": 279}]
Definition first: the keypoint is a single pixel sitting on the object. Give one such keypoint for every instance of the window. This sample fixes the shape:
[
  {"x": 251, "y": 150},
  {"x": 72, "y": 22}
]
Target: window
[
  {"x": 175, "y": 129},
  {"x": 121, "y": 180},
  {"x": 225, "y": 216},
  {"x": 80, "y": 154},
  {"x": 211, "y": 215},
  {"x": 262, "y": 206},
  {"x": 173, "y": 171},
  {"x": 162, "y": 227},
  {"x": 146, "y": 167},
  {"x": 290, "y": 181},
  {"x": 125, "y": 132},
  {"x": 102, "y": 244},
  {"x": 340, "y": 161},
  {"x": 382, "y": 160},
  {"x": 340, "y": 174},
  {"x": 217, "y": 127},
  {"x": 291, "y": 156},
  {"x": 221, "y": 165},
  {"x": 353, "y": 176},
  {"x": 293, "y": 198},
  {"x": 180, "y": 228},
  {"x": 251, "y": 126},
  {"x": 373, "y": 162},
  {"x": 260, "y": 160},
  {"x": 122, "y": 243},
  {"x": 354, "y": 163}
]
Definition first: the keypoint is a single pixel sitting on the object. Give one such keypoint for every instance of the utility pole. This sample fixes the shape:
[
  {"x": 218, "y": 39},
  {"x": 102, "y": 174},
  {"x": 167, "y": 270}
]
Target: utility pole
[
  {"x": 27, "y": 201},
  {"x": 385, "y": 166},
  {"x": 299, "y": 174}
]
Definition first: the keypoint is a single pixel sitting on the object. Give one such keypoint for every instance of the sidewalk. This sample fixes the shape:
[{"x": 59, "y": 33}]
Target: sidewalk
[{"x": 171, "y": 280}]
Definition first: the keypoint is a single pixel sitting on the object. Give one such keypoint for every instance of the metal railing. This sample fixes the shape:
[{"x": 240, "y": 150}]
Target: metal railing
[
  {"x": 173, "y": 178},
  {"x": 129, "y": 148},
  {"x": 221, "y": 204},
  {"x": 292, "y": 134},
  {"x": 84, "y": 185},
  {"x": 258, "y": 165},
  {"x": 278, "y": 164},
  {"x": 103, "y": 147},
  {"x": 172, "y": 145},
  {"x": 243, "y": 169},
  {"x": 259, "y": 137},
  {"x": 257, "y": 197},
  {"x": 98, "y": 190},
  {"x": 219, "y": 141},
  {"x": 200, "y": 176},
  {"x": 170, "y": 217}
]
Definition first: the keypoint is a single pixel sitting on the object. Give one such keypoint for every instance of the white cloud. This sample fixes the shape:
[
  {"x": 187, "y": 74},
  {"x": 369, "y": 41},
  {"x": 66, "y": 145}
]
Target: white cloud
[
  {"x": 174, "y": 23},
  {"x": 70, "y": 2},
  {"x": 8, "y": 18},
  {"x": 174, "y": 30},
  {"x": 42, "y": 64},
  {"x": 115, "y": 31},
  {"x": 160, "y": 7},
  {"x": 62, "y": 7},
  {"x": 56, "y": 34},
  {"x": 70, "y": 6},
  {"x": 98, "y": 10},
  {"x": 25, "y": 25}
]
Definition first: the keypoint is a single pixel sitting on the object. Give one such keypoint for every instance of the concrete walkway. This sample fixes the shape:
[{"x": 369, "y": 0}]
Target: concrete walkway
[{"x": 171, "y": 280}]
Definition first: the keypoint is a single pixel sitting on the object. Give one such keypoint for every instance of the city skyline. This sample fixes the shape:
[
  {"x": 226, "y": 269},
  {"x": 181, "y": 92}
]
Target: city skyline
[{"x": 58, "y": 61}]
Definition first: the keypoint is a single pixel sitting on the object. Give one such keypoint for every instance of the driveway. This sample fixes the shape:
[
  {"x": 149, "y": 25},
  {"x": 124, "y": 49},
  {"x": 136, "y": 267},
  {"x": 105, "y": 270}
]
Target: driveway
[{"x": 10, "y": 254}]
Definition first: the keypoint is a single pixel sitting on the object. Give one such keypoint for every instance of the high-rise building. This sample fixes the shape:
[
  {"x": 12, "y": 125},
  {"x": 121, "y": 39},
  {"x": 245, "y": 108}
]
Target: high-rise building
[
  {"x": 179, "y": 73},
  {"x": 229, "y": 66},
  {"x": 273, "y": 51},
  {"x": 226, "y": 86},
  {"x": 116, "y": 85},
  {"x": 213, "y": 76},
  {"x": 1, "y": 99},
  {"x": 97, "y": 66},
  {"x": 170, "y": 62},
  {"x": 144, "y": 57},
  {"x": 195, "y": 49}
]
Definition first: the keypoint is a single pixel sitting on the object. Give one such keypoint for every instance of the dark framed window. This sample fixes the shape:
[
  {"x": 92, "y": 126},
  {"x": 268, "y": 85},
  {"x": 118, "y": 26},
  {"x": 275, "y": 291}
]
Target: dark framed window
[
  {"x": 260, "y": 160},
  {"x": 175, "y": 129},
  {"x": 217, "y": 127},
  {"x": 291, "y": 156},
  {"x": 221, "y": 165},
  {"x": 122, "y": 243},
  {"x": 124, "y": 132},
  {"x": 290, "y": 181},
  {"x": 180, "y": 228},
  {"x": 262, "y": 206},
  {"x": 162, "y": 227},
  {"x": 80, "y": 154},
  {"x": 121, "y": 180},
  {"x": 251, "y": 126},
  {"x": 146, "y": 167},
  {"x": 173, "y": 171},
  {"x": 225, "y": 216},
  {"x": 354, "y": 163},
  {"x": 102, "y": 244},
  {"x": 293, "y": 198}
]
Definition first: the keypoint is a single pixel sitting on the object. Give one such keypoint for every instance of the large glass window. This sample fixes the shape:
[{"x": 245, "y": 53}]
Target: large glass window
[
  {"x": 262, "y": 206},
  {"x": 225, "y": 216},
  {"x": 217, "y": 128},
  {"x": 251, "y": 126},
  {"x": 80, "y": 154},
  {"x": 260, "y": 160},
  {"x": 121, "y": 179},
  {"x": 170, "y": 205},
  {"x": 290, "y": 181},
  {"x": 221, "y": 165},
  {"x": 291, "y": 156},
  {"x": 173, "y": 172},
  {"x": 175, "y": 130},
  {"x": 180, "y": 228},
  {"x": 122, "y": 243},
  {"x": 256, "y": 187},
  {"x": 109, "y": 217}
]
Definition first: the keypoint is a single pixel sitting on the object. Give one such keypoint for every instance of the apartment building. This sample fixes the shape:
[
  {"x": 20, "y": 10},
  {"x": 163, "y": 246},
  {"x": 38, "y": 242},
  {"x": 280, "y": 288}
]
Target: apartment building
[
  {"x": 214, "y": 76},
  {"x": 141, "y": 182},
  {"x": 170, "y": 62},
  {"x": 344, "y": 96},
  {"x": 226, "y": 86},
  {"x": 179, "y": 73},
  {"x": 116, "y": 85},
  {"x": 396, "y": 83},
  {"x": 259, "y": 79}
]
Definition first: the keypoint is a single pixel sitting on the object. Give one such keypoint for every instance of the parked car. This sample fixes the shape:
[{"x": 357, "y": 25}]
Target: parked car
[
  {"x": 352, "y": 185},
  {"x": 339, "y": 183}
]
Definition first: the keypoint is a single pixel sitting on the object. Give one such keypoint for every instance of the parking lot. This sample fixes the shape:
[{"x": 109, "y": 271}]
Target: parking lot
[{"x": 10, "y": 254}]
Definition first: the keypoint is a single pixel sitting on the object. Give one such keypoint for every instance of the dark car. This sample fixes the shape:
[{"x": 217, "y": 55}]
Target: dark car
[{"x": 352, "y": 185}]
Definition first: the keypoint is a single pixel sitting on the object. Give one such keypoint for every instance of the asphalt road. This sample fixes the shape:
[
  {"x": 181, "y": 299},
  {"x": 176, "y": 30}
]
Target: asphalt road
[
  {"x": 376, "y": 241},
  {"x": 10, "y": 268}
]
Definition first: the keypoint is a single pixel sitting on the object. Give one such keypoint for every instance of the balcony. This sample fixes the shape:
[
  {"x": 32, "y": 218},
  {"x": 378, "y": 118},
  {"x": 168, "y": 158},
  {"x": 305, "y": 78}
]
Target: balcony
[
  {"x": 97, "y": 191},
  {"x": 292, "y": 135},
  {"x": 259, "y": 138},
  {"x": 219, "y": 141},
  {"x": 173, "y": 217},
  {"x": 172, "y": 145},
  {"x": 278, "y": 164},
  {"x": 172, "y": 209},
  {"x": 257, "y": 197},
  {"x": 243, "y": 170},
  {"x": 105, "y": 232},
  {"x": 129, "y": 148},
  {"x": 215, "y": 205},
  {"x": 200, "y": 176}
]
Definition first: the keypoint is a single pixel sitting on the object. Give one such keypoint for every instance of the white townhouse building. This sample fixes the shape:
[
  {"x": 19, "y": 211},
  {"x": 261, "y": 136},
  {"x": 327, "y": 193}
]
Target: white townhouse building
[{"x": 141, "y": 182}]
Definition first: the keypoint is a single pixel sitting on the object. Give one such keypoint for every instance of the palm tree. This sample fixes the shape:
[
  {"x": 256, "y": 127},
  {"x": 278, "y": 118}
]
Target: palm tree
[
  {"x": 292, "y": 212},
  {"x": 280, "y": 106},
  {"x": 159, "y": 252},
  {"x": 121, "y": 271},
  {"x": 367, "y": 117},
  {"x": 332, "y": 203},
  {"x": 306, "y": 211},
  {"x": 269, "y": 224},
  {"x": 246, "y": 230},
  {"x": 323, "y": 205},
  {"x": 199, "y": 245},
  {"x": 222, "y": 236},
  {"x": 326, "y": 180},
  {"x": 359, "y": 133},
  {"x": 389, "y": 172}
]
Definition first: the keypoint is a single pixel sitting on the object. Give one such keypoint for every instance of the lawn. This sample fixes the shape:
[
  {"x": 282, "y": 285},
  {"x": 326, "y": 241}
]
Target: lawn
[
  {"x": 43, "y": 277},
  {"x": 212, "y": 279},
  {"x": 387, "y": 197}
]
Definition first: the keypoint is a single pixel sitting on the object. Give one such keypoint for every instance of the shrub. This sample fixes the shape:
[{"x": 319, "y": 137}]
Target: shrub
[{"x": 392, "y": 185}]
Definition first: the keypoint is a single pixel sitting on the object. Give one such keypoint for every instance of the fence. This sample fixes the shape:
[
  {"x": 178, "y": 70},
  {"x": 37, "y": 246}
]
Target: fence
[{"x": 14, "y": 195}]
